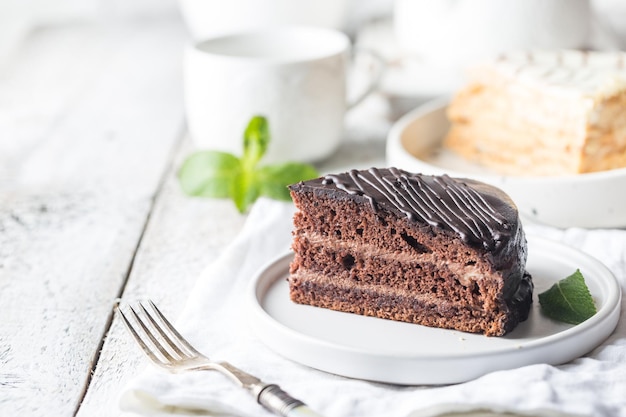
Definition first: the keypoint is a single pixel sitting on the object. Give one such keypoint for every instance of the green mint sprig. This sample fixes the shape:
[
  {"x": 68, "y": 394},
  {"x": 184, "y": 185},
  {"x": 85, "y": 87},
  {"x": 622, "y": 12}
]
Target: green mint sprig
[
  {"x": 568, "y": 300},
  {"x": 218, "y": 174}
]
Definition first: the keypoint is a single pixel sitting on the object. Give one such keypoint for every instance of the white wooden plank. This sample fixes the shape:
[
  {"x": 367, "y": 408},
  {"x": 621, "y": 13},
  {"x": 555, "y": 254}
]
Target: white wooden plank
[
  {"x": 89, "y": 120},
  {"x": 184, "y": 236},
  {"x": 48, "y": 77}
]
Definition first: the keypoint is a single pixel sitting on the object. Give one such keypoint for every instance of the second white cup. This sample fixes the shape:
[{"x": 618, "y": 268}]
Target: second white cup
[{"x": 294, "y": 76}]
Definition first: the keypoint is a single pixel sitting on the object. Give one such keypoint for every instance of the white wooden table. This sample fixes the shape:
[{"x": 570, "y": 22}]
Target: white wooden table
[{"x": 91, "y": 135}]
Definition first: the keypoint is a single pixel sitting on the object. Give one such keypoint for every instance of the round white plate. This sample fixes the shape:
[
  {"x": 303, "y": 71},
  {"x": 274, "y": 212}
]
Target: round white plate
[
  {"x": 401, "y": 353},
  {"x": 583, "y": 200}
]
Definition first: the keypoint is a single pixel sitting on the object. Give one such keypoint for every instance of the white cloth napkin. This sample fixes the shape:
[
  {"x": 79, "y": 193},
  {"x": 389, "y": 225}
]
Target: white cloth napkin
[{"x": 214, "y": 321}]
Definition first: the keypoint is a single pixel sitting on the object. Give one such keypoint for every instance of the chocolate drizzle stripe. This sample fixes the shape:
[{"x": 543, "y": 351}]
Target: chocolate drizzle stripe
[
  {"x": 483, "y": 210},
  {"x": 427, "y": 205},
  {"x": 411, "y": 201},
  {"x": 423, "y": 206},
  {"x": 469, "y": 219},
  {"x": 416, "y": 205},
  {"x": 433, "y": 205},
  {"x": 389, "y": 187},
  {"x": 460, "y": 198},
  {"x": 490, "y": 212},
  {"x": 420, "y": 206},
  {"x": 389, "y": 194},
  {"x": 439, "y": 201}
]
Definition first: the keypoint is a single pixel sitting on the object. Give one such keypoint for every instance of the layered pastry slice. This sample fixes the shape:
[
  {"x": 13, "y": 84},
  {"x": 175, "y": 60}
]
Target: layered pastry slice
[
  {"x": 430, "y": 250},
  {"x": 543, "y": 113}
]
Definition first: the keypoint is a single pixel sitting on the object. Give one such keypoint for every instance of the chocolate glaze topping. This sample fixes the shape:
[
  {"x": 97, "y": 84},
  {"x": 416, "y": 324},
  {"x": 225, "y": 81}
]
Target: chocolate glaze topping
[{"x": 480, "y": 215}]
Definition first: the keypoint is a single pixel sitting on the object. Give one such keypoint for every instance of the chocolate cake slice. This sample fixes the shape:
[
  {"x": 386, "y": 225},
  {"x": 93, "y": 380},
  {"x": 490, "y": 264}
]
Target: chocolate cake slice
[{"x": 431, "y": 250}]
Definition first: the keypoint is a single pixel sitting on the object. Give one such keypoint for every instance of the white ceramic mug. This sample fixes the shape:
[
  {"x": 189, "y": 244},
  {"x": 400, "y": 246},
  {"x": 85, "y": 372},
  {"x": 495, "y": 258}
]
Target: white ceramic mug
[{"x": 295, "y": 76}]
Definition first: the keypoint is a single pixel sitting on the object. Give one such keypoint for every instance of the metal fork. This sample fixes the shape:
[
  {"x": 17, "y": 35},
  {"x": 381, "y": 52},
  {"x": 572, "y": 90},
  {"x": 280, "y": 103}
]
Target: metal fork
[{"x": 164, "y": 345}]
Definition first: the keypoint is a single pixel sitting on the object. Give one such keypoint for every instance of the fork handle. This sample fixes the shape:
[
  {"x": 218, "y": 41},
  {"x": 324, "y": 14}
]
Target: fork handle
[{"x": 279, "y": 402}]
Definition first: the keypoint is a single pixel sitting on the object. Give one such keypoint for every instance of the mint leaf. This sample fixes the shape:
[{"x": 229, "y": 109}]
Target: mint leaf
[
  {"x": 274, "y": 179},
  {"x": 256, "y": 139},
  {"x": 245, "y": 190},
  {"x": 209, "y": 174},
  {"x": 223, "y": 175},
  {"x": 568, "y": 300}
]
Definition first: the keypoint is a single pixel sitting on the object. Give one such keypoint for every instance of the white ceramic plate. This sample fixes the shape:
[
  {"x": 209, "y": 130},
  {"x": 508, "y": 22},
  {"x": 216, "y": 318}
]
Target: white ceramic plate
[
  {"x": 583, "y": 200},
  {"x": 401, "y": 353}
]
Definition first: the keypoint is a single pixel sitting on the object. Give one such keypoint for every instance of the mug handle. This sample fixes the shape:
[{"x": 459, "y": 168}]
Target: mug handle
[{"x": 374, "y": 78}]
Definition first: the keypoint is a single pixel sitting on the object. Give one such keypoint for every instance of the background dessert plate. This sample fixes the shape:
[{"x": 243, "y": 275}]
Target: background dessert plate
[
  {"x": 402, "y": 353},
  {"x": 582, "y": 200}
]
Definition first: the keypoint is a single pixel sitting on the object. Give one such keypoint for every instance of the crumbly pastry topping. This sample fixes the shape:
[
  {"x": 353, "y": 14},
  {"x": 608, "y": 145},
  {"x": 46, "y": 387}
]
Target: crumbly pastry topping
[{"x": 591, "y": 74}]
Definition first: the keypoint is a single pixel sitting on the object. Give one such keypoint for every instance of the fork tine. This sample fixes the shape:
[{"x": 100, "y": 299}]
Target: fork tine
[
  {"x": 160, "y": 345},
  {"x": 164, "y": 329},
  {"x": 174, "y": 337},
  {"x": 140, "y": 341}
]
